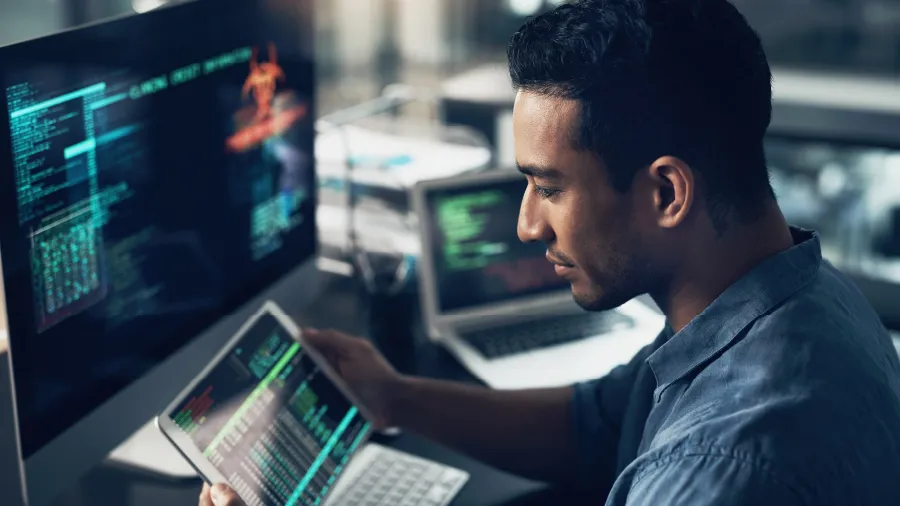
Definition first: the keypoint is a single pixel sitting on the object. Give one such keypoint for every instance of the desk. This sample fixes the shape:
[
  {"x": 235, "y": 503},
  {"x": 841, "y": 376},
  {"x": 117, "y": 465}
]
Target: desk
[{"x": 339, "y": 307}]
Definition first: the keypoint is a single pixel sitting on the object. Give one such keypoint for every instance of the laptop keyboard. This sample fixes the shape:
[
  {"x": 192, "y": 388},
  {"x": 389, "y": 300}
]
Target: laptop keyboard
[
  {"x": 393, "y": 478},
  {"x": 528, "y": 336}
]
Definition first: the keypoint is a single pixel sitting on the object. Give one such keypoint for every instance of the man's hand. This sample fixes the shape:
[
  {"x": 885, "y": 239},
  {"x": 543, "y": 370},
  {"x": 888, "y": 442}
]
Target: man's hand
[
  {"x": 370, "y": 377},
  {"x": 527, "y": 432},
  {"x": 219, "y": 495}
]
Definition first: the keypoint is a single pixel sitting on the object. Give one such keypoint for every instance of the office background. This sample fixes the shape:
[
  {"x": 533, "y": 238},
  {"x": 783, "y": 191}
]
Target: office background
[
  {"x": 849, "y": 50},
  {"x": 366, "y": 45}
]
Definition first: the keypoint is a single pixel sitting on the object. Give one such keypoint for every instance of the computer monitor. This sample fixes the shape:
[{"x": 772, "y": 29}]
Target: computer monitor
[
  {"x": 156, "y": 185},
  {"x": 833, "y": 150}
]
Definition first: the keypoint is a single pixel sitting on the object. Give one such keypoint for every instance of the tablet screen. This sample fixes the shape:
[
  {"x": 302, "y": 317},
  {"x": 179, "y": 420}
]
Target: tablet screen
[{"x": 270, "y": 421}]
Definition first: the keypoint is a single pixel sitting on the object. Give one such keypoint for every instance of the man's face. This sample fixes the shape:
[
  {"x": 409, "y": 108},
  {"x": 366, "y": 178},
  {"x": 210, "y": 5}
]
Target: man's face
[{"x": 594, "y": 234}]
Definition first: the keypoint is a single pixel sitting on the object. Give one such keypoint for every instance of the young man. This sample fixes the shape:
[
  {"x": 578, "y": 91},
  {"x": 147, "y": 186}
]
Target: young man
[{"x": 639, "y": 125}]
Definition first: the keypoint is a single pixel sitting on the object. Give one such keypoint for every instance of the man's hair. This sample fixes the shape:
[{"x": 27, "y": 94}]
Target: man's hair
[{"x": 686, "y": 78}]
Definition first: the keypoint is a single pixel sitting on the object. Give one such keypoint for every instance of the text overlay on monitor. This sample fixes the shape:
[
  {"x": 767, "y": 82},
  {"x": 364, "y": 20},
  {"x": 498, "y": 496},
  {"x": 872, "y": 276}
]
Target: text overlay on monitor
[{"x": 152, "y": 185}]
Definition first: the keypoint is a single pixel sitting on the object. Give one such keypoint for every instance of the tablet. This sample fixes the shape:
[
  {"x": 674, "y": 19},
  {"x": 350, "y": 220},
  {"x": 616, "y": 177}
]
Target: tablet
[{"x": 268, "y": 416}]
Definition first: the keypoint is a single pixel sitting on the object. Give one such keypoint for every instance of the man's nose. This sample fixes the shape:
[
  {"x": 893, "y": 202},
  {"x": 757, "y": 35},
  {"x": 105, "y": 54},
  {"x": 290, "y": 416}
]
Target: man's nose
[{"x": 531, "y": 226}]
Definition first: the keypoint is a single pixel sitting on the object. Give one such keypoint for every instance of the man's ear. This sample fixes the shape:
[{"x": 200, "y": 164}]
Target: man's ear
[{"x": 675, "y": 188}]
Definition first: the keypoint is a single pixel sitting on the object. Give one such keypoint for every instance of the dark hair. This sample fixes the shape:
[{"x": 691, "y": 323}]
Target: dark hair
[{"x": 686, "y": 78}]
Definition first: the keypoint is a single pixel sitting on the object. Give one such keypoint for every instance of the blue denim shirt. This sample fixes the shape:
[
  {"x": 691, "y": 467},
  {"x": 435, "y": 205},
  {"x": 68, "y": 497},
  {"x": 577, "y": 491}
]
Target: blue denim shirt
[{"x": 784, "y": 391}]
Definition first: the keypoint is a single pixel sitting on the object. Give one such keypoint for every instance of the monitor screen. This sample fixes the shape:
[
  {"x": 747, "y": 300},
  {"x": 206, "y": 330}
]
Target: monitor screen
[
  {"x": 478, "y": 258},
  {"x": 157, "y": 173},
  {"x": 266, "y": 402},
  {"x": 849, "y": 193}
]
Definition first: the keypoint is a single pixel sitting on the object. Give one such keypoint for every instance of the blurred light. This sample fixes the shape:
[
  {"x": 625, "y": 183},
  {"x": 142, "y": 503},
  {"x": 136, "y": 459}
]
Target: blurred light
[
  {"x": 525, "y": 7},
  {"x": 142, "y": 6},
  {"x": 557, "y": 2},
  {"x": 832, "y": 180}
]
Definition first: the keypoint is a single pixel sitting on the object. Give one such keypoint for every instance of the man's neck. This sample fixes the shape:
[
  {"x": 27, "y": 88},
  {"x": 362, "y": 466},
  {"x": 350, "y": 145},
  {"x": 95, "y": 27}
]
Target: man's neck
[{"x": 719, "y": 263}]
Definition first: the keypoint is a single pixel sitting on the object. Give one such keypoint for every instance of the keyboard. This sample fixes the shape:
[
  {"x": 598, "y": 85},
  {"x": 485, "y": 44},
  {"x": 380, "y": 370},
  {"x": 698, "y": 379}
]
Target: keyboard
[
  {"x": 380, "y": 476},
  {"x": 499, "y": 342}
]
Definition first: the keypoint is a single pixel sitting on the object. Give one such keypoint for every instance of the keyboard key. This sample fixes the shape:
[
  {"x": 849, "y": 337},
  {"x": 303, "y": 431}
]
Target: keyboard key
[{"x": 436, "y": 494}]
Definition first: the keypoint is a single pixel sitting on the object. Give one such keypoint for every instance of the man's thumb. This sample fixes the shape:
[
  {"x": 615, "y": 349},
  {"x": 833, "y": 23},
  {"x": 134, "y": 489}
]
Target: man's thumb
[{"x": 221, "y": 495}]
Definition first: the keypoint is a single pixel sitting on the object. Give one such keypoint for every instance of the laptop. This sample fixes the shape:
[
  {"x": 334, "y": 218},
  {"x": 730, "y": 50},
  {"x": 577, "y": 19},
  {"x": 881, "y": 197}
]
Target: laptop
[{"x": 497, "y": 305}]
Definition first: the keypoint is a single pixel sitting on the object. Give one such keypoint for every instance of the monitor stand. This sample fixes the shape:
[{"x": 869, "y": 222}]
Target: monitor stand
[{"x": 149, "y": 452}]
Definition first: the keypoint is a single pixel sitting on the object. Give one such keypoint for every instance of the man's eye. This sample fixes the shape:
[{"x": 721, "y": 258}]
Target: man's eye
[{"x": 545, "y": 193}]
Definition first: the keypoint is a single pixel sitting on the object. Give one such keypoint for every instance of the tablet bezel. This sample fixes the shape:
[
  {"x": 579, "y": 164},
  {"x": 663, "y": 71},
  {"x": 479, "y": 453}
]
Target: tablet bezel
[{"x": 189, "y": 449}]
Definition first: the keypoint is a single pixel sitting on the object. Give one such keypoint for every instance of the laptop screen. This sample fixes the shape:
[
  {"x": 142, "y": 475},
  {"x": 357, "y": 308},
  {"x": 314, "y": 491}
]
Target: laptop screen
[{"x": 478, "y": 258}]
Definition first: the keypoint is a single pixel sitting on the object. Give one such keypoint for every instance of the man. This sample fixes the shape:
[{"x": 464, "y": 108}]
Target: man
[{"x": 639, "y": 125}]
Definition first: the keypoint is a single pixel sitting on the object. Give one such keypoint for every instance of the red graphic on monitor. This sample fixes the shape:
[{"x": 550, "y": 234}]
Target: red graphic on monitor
[
  {"x": 272, "y": 112},
  {"x": 262, "y": 81}
]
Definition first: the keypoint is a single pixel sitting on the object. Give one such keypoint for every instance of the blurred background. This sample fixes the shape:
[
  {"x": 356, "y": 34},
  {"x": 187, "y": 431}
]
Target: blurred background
[
  {"x": 834, "y": 150},
  {"x": 365, "y": 44},
  {"x": 833, "y": 147}
]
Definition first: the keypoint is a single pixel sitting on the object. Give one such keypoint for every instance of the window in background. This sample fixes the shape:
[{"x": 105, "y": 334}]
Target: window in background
[
  {"x": 849, "y": 193},
  {"x": 524, "y": 7},
  {"x": 27, "y": 19},
  {"x": 853, "y": 36},
  {"x": 141, "y": 6}
]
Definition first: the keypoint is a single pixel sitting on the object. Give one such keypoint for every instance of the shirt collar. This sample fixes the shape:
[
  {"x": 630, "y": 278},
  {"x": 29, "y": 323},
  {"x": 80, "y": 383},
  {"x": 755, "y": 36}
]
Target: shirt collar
[{"x": 758, "y": 291}]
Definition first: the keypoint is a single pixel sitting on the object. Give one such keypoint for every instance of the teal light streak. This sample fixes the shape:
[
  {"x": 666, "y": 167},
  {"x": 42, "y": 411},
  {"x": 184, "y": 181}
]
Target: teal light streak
[
  {"x": 103, "y": 102},
  {"x": 80, "y": 148},
  {"x": 91, "y": 144},
  {"x": 116, "y": 135},
  {"x": 314, "y": 468},
  {"x": 97, "y": 88}
]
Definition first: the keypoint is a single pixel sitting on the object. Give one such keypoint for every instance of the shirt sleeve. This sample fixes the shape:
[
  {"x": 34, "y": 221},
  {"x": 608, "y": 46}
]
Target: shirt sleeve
[
  {"x": 709, "y": 480},
  {"x": 598, "y": 408}
]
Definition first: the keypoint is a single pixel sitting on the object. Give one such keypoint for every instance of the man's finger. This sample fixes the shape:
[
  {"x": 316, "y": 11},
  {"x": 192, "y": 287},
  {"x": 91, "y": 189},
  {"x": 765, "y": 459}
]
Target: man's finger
[
  {"x": 222, "y": 495},
  {"x": 205, "y": 499}
]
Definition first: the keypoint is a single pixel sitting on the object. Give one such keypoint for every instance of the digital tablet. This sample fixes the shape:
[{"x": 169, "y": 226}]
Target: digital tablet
[{"x": 268, "y": 416}]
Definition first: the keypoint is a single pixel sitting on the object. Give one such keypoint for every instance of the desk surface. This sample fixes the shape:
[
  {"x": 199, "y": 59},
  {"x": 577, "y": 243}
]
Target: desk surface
[{"x": 339, "y": 307}]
